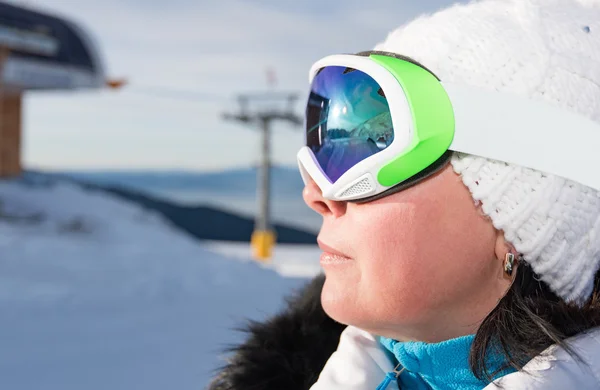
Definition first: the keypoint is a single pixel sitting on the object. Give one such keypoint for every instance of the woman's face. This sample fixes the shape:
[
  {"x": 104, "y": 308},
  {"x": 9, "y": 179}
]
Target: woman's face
[{"x": 421, "y": 264}]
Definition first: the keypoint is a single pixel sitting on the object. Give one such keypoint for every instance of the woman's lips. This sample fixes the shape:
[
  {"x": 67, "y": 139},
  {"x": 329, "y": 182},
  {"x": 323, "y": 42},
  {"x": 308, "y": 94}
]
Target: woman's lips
[
  {"x": 331, "y": 256},
  {"x": 326, "y": 248},
  {"x": 332, "y": 260}
]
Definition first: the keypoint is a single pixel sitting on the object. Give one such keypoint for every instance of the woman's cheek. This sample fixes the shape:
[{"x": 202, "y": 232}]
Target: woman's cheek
[{"x": 392, "y": 270}]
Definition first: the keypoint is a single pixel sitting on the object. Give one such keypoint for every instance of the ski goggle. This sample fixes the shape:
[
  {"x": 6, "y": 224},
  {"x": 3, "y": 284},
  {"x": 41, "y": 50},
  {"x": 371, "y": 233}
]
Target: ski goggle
[{"x": 378, "y": 122}]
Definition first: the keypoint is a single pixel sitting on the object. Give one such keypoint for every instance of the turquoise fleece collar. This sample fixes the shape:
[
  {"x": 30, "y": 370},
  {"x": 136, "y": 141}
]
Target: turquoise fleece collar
[{"x": 438, "y": 366}]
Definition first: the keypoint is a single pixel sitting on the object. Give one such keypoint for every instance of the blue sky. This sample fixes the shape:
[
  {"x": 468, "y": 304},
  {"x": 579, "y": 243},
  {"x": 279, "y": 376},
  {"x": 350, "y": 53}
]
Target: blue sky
[{"x": 209, "y": 49}]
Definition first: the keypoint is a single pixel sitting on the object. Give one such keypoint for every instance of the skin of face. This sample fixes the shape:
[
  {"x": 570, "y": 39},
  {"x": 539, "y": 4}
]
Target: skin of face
[{"x": 423, "y": 264}]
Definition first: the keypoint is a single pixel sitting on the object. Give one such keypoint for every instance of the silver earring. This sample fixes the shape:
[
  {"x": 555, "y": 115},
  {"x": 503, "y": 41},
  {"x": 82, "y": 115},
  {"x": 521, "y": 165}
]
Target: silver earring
[{"x": 509, "y": 263}]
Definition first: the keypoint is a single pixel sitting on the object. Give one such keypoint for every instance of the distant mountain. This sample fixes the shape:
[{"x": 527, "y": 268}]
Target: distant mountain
[
  {"x": 202, "y": 222},
  {"x": 233, "y": 191},
  {"x": 284, "y": 180},
  {"x": 208, "y": 223}
]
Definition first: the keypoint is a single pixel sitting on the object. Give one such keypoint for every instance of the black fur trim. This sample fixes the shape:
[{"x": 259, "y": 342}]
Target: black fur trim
[{"x": 287, "y": 351}]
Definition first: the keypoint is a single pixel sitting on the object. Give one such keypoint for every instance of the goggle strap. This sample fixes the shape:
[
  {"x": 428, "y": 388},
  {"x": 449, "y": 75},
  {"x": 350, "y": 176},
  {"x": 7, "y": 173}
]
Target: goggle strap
[{"x": 529, "y": 133}]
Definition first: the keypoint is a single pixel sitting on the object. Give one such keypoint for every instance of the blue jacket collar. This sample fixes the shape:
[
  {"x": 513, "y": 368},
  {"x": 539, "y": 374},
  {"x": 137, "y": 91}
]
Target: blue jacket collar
[{"x": 438, "y": 366}]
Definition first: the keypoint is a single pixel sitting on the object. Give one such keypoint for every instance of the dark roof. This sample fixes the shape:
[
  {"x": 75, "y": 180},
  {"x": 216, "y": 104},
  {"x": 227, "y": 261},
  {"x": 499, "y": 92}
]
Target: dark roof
[{"x": 36, "y": 36}]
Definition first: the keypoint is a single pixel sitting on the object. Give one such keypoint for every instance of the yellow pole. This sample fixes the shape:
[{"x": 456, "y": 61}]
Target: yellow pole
[{"x": 262, "y": 242}]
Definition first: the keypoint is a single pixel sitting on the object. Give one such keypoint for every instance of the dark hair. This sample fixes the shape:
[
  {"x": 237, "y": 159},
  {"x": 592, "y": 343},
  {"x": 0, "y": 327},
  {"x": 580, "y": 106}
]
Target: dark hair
[{"x": 526, "y": 321}]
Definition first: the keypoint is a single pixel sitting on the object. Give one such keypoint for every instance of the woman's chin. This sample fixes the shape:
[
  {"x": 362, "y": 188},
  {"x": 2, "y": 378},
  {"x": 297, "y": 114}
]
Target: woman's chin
[{"x": 340, "y": 300}]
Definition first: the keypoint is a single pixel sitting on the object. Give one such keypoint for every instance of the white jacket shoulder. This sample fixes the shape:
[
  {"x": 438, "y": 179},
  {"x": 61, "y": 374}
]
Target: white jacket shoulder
[{"x": 555, "y": 369}]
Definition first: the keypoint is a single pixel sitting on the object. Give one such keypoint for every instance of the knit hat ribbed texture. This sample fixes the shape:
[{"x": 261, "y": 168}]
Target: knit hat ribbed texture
[{"x": 547, "y": 50}]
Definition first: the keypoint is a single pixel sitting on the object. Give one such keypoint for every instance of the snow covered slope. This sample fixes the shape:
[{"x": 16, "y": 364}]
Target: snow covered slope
[{"x": 96, "y": 293}]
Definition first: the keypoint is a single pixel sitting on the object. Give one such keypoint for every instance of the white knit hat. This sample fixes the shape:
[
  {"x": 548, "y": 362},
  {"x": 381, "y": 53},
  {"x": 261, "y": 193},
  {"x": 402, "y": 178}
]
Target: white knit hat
[{"x": 547, "y": 50}]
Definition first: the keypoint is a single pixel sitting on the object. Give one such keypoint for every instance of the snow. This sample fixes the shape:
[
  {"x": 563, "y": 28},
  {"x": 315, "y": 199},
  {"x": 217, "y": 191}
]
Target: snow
[
  {"x": 97, "y": 293},
  {"x": 293, "y": 261}
]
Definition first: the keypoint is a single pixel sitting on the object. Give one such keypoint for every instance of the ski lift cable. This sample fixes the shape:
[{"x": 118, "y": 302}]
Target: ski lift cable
[{"x": 175, "y": 93}]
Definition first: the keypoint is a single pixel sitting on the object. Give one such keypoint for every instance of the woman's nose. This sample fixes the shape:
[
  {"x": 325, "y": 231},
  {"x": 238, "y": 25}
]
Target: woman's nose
[{"x": 314, "y": 199}]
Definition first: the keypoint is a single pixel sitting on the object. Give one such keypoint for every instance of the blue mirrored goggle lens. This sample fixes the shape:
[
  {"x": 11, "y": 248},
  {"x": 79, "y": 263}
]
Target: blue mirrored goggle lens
[{"x": 347, "y": 119}]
